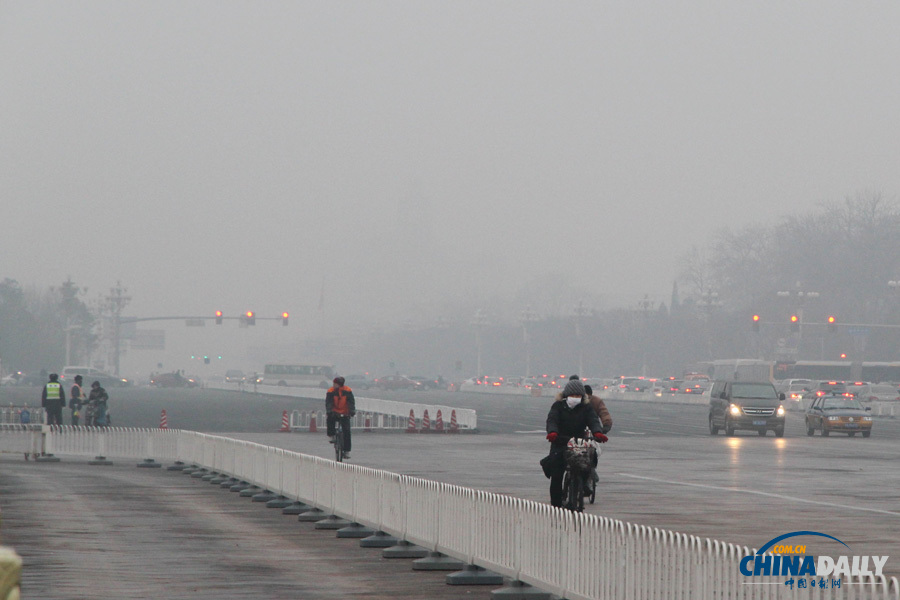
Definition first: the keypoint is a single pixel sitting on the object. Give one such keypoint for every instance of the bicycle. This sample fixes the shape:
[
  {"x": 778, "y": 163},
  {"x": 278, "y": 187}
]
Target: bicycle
[
  {"x": 338, "y": 440},
  {"x": 577, "y": 481}
]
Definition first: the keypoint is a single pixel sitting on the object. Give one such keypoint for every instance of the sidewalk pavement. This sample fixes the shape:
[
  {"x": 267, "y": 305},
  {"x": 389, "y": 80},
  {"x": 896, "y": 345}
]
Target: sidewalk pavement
[{"x": 121, "y": 532}]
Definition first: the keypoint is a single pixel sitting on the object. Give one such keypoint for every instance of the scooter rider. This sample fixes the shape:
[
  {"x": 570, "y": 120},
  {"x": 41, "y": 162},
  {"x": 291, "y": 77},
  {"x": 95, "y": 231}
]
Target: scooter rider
[
  {"x": 599, "y": 407},
  {"x": 568, "y": 418}
]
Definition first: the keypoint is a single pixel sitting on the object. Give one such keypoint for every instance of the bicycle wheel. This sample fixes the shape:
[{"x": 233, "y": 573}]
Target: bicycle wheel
[
  {"x": 565, "y": 490},
  {"x": 338, "y": 442},
  {"x": 576, "y": 493}
]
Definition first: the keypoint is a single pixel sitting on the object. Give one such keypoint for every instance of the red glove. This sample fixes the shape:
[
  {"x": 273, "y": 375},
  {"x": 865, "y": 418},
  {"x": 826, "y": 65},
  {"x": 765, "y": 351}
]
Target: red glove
[
  {"x": 601, "y": 438},
  {"x": 551, "y": 437}
]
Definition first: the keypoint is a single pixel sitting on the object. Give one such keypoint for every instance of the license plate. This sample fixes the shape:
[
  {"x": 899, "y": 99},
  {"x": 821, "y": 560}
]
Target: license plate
[
  {"x": 851, "y": 425},
  {"x": 759, "y": 422}
]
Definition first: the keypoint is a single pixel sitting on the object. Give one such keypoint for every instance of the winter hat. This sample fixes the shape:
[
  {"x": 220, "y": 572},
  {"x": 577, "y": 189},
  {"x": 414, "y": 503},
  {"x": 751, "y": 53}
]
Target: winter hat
[{"x": 573, "y": 388}]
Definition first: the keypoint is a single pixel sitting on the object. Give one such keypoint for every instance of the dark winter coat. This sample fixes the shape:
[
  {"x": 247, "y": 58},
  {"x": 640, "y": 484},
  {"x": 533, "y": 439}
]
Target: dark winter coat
[{"x": 571, "y": 422}]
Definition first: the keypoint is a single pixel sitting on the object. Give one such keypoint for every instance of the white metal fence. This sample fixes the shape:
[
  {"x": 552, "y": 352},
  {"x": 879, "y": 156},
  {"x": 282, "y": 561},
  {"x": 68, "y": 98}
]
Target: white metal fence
[{"x": 577, "y": 556}]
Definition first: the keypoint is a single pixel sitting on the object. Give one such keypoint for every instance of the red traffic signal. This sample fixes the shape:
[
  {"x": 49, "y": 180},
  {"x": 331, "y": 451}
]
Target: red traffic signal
[
  {"x": 284, "y": 318},
  {"x": 218, "y": 317},
  {"x": 755, "y": 319},
  {"x": 251, "y": 317},
  {"x": 832, "y": 324},
  {"x": 795, "y": 323}
]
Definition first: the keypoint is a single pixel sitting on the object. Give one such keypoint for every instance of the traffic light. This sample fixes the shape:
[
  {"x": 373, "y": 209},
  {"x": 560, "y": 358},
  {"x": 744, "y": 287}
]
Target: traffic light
[
  {"x": 795, "y": 323},
  {"x": 284, "y": 318},
  {"x": 756, "y": 323},
  {"x": 218, "y": 317},
  {"x": 832, "y": 324},
  {"x": 251, "y": 317},
  {"x": 205, "y": 360}
]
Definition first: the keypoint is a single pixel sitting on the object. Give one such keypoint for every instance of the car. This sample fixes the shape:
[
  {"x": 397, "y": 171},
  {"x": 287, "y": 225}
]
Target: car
[
  {"x": 484, "y": 381},
  {"x": 12, "y": 378},
  {"x": 234, "y": 376},
  {"x": 753, "y": 405},
  {"x": 633, "y": 384},
  {"x": 826, "y": 388},
  {"x": 513, "y": 381},
  {"x": 838, "y": 413},
  {"x": 785, "y": 384},
  {"x": 796, "y": 391},
  {"x": 673, "y": 386},
  {"x": 174, "y": 380},
  {"x": 90, "y": 375},
  {"x": 874, "y": 392},
  {"x": 428, "y": 383},
  {"x": 398, "y": 382},
  {"x": 695, "y": 387},
  {"x": 358, "y": 382},
  {"x": 598, "y": 384}
]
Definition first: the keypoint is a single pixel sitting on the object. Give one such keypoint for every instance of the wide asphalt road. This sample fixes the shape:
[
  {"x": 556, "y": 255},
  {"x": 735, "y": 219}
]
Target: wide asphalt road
[{"x": 660, "y": 468}]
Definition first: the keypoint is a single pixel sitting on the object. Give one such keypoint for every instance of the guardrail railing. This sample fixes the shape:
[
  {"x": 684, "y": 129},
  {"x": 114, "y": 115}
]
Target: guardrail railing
[{"x": 574, "y": 555}]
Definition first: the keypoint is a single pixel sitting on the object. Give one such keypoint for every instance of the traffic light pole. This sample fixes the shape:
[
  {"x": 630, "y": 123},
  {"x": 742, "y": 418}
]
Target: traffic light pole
[{"x": 117, "y": 302}]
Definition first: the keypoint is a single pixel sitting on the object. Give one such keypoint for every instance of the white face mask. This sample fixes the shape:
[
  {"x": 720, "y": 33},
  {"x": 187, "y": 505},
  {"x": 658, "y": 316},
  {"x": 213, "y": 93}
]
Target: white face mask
[{"x": 573, "y": 401}]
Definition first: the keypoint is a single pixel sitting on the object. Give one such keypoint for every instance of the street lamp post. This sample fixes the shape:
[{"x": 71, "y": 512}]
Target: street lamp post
[
  {"x": 709, "y": 302},
  {"x": 580, "y": 312},
  {"x": 478, "y": 321},
  {"x": 526, "y": 318},
  {"x": 802, "y": 298}
]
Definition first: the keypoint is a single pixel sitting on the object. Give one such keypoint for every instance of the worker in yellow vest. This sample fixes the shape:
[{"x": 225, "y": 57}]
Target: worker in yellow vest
[{"x": 53, "y": 399}]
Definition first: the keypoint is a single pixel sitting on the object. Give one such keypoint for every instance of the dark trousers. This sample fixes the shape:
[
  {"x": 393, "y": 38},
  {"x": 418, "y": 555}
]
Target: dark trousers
[
  {"x": 54, "y": 414},
  {"x": 74, "y": 416},
  {"x": 345, "y": 422},
  {"x": 557, "y": 471}
]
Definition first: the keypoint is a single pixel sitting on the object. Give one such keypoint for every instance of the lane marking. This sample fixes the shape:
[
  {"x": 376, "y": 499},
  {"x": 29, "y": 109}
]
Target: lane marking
[
  {"x": 634, "y": 432},
  {"x": 767, "y": 494},
  {"x": 531, "y": 431}
]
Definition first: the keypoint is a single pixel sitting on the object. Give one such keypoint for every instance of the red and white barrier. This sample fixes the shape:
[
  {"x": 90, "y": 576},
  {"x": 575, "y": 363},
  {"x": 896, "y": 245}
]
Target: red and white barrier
[
  {"x": 426, "y": 423},
  {"x": 439, "y": 422},
  {"x": 312, "y": 422},
  {"x": 163, "y": 420},
  {"x": 411, "y": 424},
  {"x": 285, "y": 423},
  {"x": 454, "y": 426}
]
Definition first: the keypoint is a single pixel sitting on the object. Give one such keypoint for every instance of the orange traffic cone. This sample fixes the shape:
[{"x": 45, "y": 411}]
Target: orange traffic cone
[
  {"x": 454, "y": 426},
  {"x": 439, "y": 422},
  {"x": 426, "y": 423},
  {"x": 163, "y": 420},
  {"x": 285, "y": 422},
  {"x": 411, "y": 424}
]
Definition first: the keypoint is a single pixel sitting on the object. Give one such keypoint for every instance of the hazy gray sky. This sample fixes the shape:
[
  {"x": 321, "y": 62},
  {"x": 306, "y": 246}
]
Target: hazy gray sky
[{"x": 232, "y": 154}]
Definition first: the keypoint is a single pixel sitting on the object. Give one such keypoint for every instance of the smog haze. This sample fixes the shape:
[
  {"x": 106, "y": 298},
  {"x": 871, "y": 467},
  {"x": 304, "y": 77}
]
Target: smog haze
[{"x": 365, "y": 165}]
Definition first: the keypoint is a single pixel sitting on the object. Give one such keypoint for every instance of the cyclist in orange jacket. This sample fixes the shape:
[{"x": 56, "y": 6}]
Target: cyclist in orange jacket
[{"x": 340, "y": 404}]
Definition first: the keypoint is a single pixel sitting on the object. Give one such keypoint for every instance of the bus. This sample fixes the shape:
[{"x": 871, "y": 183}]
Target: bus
[
  {"x": 301, "y": 375},
  {"x": 838, "y": 370},
  {"x": 748, "y": 369}
]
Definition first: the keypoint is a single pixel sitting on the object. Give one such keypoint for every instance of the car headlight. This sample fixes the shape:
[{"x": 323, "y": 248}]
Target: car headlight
[
  {"x": 834, "y": 418},
  {"x": 780, "y": 411},
  {"x": 735, "y": 409},
  {"x": 867, "y": 418}
]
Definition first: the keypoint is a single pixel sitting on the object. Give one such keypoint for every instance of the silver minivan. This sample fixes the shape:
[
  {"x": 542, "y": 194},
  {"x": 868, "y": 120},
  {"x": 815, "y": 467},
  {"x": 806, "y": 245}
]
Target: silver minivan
[{"x": 750, "y": 405}]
